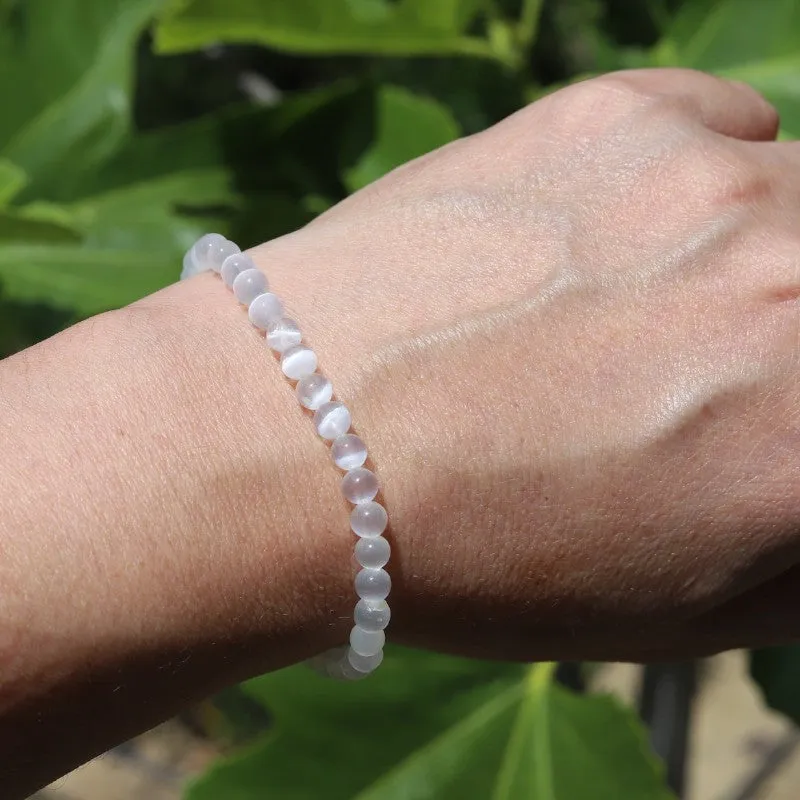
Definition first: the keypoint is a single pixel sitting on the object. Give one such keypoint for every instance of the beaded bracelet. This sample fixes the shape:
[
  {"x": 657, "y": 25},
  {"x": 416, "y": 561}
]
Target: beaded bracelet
[{"x": 368, "y": 519}]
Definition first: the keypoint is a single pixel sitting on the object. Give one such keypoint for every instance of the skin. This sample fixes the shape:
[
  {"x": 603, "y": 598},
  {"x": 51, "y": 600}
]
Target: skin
[{"x": 571, "y": 344}]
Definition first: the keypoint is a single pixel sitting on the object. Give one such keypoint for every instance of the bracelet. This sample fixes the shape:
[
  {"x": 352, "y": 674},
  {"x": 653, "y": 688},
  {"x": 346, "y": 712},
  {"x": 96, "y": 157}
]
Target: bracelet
[{"x": 360, "y": 486}]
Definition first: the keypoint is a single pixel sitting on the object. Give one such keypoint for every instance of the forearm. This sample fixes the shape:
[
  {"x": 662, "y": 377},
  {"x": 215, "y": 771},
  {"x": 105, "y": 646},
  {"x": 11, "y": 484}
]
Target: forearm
[{"x": 169, "y": 524}]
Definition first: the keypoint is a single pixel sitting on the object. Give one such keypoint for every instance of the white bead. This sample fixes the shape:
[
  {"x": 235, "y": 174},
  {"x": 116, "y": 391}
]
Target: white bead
[
  {"x": 373, "y": 584},
  {"x": 332, "y": 420},
  {"x": 369, "y": 520},
  {"x": 314, "y": 390},
  {"x": 346, "y": 671},
  {"x": 364, "y": 663},
  {"x": 248, "y": 285},
  {"x": 298, "y": 361},
  {"x": 188, "y": 268},
  {"x": 372, "y": 615},
  {"x": 372, "y": 553},
  {"x": 349, "y": 451},
  {"x": 360, "y": 485},
  {"x": 367, "y": 643},
  {"x": 283, "y": 334},
  {"x": 264, "y": 310},
  {"x": 219, "y": 251},
  {"x": 201, "y": 250},
  {"x": 233, "y": 265}
]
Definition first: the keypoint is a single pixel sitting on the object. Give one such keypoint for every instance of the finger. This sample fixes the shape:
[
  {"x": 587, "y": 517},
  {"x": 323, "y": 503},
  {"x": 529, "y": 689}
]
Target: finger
[{"x": 727, "y": 107}]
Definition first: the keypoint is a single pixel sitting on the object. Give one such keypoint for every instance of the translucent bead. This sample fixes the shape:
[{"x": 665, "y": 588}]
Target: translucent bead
[
  {"x": 233, "y": 265},
  {"x": 360, "y": 485},
  {"x": 264, "y": 310},
  {"x": 373, "y": 584},
  {"x": 372, "y": 615},
  {"x": 349, "y": 451},
  {"x": 364, "y": 663},
  {"x": 369, "y": 520},
  {"x": 219, "y": 251},
  {"x": 298, "y": 361},
  {"x": 332, "y": 420},
  {"x": 248, "y": 285},
  {"x": 372, "y": 553},
  {"x": 201, "y": 250},
  {"x": 367, "y": 643},
  {"x": 283, "y": 334},
  {"x": 188, "y": 265},
  {"x": 345, "y": 671},
  {"x": 314, "y": 390}
]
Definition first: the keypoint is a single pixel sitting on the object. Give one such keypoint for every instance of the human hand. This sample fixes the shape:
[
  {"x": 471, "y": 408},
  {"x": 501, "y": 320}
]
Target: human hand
[{"x": 571, "y": 343}]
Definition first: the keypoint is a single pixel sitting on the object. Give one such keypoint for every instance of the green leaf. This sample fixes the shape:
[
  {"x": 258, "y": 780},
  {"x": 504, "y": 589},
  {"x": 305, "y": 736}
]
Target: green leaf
[
  {"x": 107, "y": 250},
  {"x": 85, "y": 279},
  {"x": 777, "y": 671},
  {"x": 758, "y": 43},
  {"x": 403, "y": 27},
  {"x": 12, "y": 179},
  {"x": 404, "y": 126},
  {"x": 73, "y": 106},
  {"x": 428, "y": 727}
]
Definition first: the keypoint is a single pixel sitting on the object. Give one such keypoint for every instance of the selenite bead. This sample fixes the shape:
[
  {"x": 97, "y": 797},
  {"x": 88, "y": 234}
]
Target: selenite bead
[
  {"x": 219, "y": 251},
  {"x": 332, "y": 420},
  {"x": 349, "y": 451},
  {"x": 248, "y": 285},
  {"x": 369, "y": 520},
  {"x": 360, "y": 485},
  {"x": 367, "y": 643},
  {"x": 282, "y": 334},
  {"x": 233, "y": 265},
  {"x": 364, "y": 663},
  {"x": 201, "y": 250},
  {"x": 313, "y": 390},
  {"x": 187, "y": 269},
  {"x": 372, "y": 615},
  {"x": 348, "y": 672},
  {"x": 264, "y": 310},
  {"x": 373, "y": 584},
  {"x": 298, "y": 361},
  {"x": 372, "y": 553}
]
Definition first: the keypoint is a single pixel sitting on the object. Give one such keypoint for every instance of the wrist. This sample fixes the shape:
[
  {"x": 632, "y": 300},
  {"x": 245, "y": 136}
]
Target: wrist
[{"x": 272, "y": 566}]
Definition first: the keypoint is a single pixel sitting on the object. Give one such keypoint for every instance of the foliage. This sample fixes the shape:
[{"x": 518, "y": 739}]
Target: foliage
[
  {"x": 130, "y": 126},
  {"x": 427, "y": 726}
]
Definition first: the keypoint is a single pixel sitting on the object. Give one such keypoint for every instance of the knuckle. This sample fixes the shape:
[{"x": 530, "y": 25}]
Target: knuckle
[{"x": 724, "y": 178}]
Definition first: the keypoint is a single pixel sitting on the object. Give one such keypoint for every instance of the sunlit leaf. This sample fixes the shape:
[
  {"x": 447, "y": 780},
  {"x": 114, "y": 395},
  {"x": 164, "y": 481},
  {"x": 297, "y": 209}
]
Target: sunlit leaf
[
  {"x": 428, "y": 727},
  {"x": 403, "y": 127},
  {"x": 325, "y": 26}
]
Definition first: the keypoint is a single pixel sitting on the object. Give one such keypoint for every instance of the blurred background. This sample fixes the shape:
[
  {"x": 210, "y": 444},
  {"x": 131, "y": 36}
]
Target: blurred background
[{"x": 130, "y": 127}]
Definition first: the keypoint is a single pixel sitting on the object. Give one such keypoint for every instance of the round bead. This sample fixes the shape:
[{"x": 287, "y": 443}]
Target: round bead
[
  {"x": 346, "y": 671},
  {"x": 264, "y": 310},
  {"x": 233, "y": 265},
  {"x": 314, "y": 390},
  {"x": 283, "y": 334},
  {"x": 367, "y": 643},
  {"x": 298, "y": 361},
  {"x": 349, "y": 451},
  {"x": 372, "y": 615},
  {"x": 372, "y": 553},
  {"x": 369, "y": 520},
  {"x": 188, "y": 265},
  {"x": 201, "y": 250},
  {"x": 364, "y": 663},
  {"x": 332, "y": 420},
  {"x": 219, "y": 251},
  {"x": 373, "y": 584},
  {"x": 360, "y": 485},
  {"x": 248, "y": 285}
]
